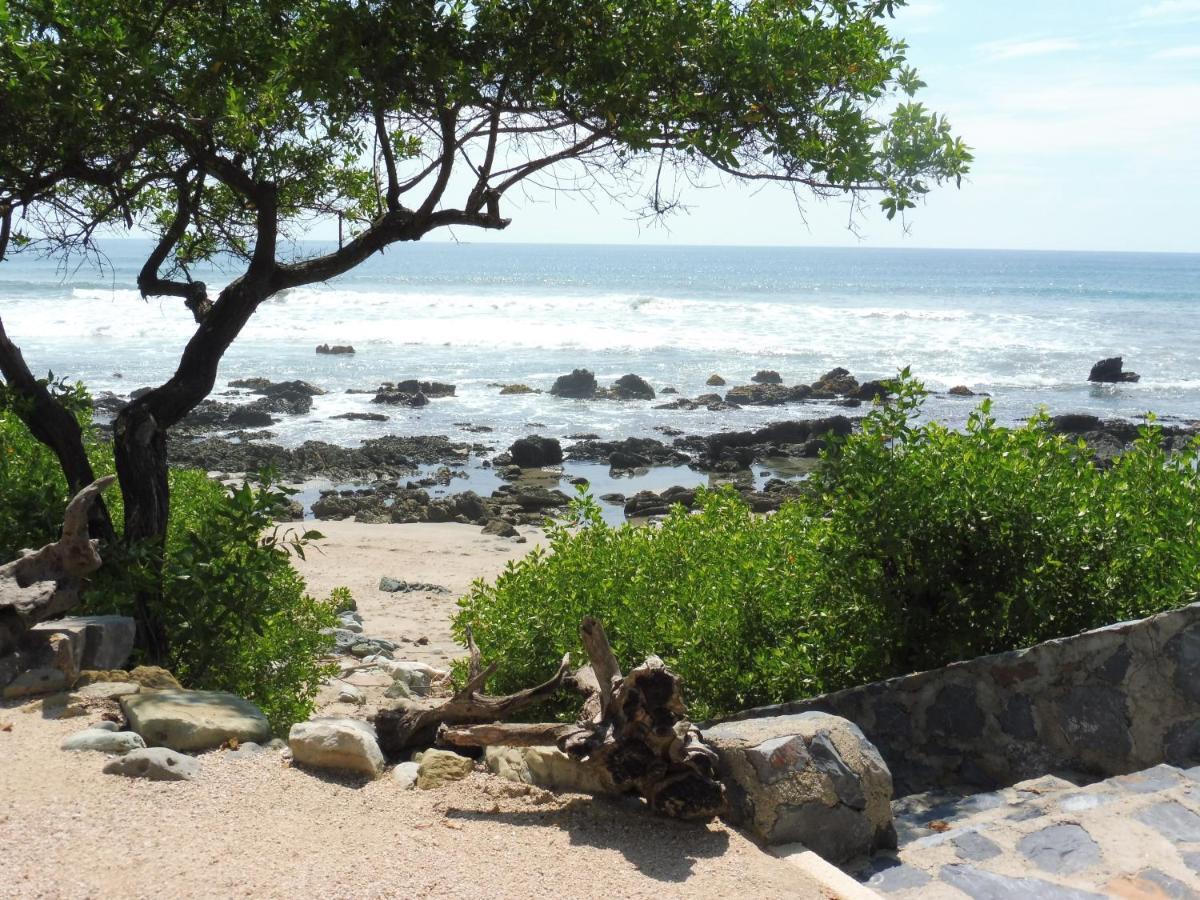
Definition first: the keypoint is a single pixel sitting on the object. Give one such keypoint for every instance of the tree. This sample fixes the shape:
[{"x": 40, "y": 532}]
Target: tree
[{"x": 225, "y": 127}]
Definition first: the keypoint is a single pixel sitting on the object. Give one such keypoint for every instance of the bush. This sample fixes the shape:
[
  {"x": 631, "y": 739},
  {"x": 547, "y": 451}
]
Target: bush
[
  {"x": 914, "y": 546},
  {"x": 234, "y": 607}
]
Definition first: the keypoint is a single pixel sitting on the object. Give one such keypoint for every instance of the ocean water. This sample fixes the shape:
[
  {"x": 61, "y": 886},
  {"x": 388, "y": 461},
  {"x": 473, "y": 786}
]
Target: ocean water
[{"x": 1024, "y": 327}]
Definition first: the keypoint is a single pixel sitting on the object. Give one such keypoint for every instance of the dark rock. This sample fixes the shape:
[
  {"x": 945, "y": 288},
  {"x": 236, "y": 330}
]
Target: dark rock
[
  {"x": 613, "y": 498},
  {"x": 361, "y": 417},
  {"x": 766, "y": 376},
  {"x": 250, "y": 416},
  {"x": 1095, "y": 718},
  {"x": 955, "y": 713},
  {"x": 533, "y": 452},
  {"x": 580, "y": 384},
  {"x": 1060, "y": 849},
  {"x": 1184, "y": 650},
  {"x": 632, "y": 387},
  {"x": 286, "y": 389},
  {"x": 1075, "y": 423},
  {"x": 836, "y": 382},
  {"x": 1017, "y": 718},
  {"x": 1172, "y": 820},
  {"x": 669, "y": 390},
  {"x": 412, "y": 393},
  {"x": 680, "y": 403},
  {"x": 335, "y": 350},
  {"x": 1111, "y": 371},
  {"x": 974, "y": 846},
  {"x": 890, "y": 876},
  {"x": 872, "y": 390},
  {"x": 961, "y": 390},
  {"x": 715, "y": 380},
  {"x": 500, "y": 528},
  {"x": 435, "y": 390},
  {"x": 741, "y": 448},
  {"x": 583, "y": 436},
  {"x": 630, "y": 450},
  {"x": 1181, "y": 746},
  {"x": 517, "y": 389},
  {"x": 758, "y": 395}
]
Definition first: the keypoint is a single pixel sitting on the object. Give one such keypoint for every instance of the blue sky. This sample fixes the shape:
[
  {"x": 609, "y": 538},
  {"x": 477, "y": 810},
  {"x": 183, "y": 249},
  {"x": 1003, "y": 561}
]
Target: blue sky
[{"x": 1084, "y": 118}]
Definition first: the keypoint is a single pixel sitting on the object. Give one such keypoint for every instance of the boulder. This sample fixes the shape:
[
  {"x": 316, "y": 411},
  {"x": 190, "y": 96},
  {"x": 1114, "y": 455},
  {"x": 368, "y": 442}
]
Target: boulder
[
  {"x": 194, "y": 720},
  {"x": 549, "y": 768},
  {"x": 1111, "y": 371},
  {"x": 872, "y": 390},
  {"x": 509, "y": 389},
  {"x": 580, "y": 384},
  {"x": 432, "y": 389},
  {"x": 715, "y": 380},
  {"x": 810, "y": 777},
  {"x": 534, "y": 451},
  {"x": 500, "y": 528},
  {"x": 335, "y": 350},
  {"x": 632, "y": 387},
  {"x": 345, "y": 745},
  {"x": 758, "y": 395},
  {"x": 766, "y": 376},
  {"x": 838, "y": 382},
  {"x": 155, "y": 764},
  {"x": 102, "y": 740},
  {"x": 34, "y": 682},
  {"x": 961, "y": 390},
  {"x": 103, "y": 642},
  {"x": 439, "y": 767},
  {"x": 405, "y": 775}
]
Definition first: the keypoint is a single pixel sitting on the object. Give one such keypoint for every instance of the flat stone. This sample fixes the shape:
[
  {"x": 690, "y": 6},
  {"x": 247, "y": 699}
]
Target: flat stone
[
  {"x": 974, "y": 846},
  {"x": 547, "y": 767},
  {"x": 1191, "y": 859},
  {"x": 35, "y": 682},
  {"x": 1150, "y": 781},
  {"x": 1151, "y": 883},
  {"x": 1172, "y": 820},
  {"x": 155, "y": 764},
  {"x": 345, "y": 745},
  {"x": 1060, "y": 849},
  {"x": 102, "y": 740},
  {"x": 890, "y": 876},
  {"x": 105, "y": 690},
  {"x": 194, "y": 720},
  {"x": 981, "y": 885},
  {"x": 1084, "y": 802},
  {"x": 405, "y": 775},
  {"x": 439, "y": 767}
]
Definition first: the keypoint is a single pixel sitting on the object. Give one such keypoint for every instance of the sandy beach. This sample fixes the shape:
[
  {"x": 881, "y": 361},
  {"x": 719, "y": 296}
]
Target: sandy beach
[{"x": 259, "y": 827}]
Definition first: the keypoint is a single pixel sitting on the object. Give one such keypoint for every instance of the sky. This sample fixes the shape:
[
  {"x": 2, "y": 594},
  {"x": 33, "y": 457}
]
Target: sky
[{"x": 1084, "y": 117}]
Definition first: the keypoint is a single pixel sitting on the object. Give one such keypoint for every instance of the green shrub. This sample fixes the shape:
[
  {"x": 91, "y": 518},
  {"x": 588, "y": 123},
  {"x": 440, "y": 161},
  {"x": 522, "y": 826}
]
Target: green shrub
[
  {"x": 914, "y": 546},
  {"x": 235, "y": 609}
]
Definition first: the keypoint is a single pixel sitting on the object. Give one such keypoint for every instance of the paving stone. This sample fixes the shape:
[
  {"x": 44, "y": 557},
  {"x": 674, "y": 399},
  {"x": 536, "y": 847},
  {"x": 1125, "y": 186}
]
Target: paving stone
[
  {"x": 974, "y": 846},
  {"x": 1172, "y": 820},
  {"x": 889, "y": 876},
  {"x": 1060, "y": 849},
  {"x": 1191, "y": 859},
  {"x": 1168, "y": 886},
  {"x": 1084, "y": 802},
  {"x": 955, "y": 713},
  {"x": 1150, "y": 781},
  {"x": 1025, "y": 814},
  {"x": 980, "y": 885}
]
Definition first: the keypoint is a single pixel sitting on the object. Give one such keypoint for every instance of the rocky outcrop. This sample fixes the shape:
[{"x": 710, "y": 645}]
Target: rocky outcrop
[
  {"x": 733, "y": 450},
  {"x": 534, "y": 452},
  {"x": 836, "y": 382},
  {"x": 766, "y": 376},
  {"x": 715, "y": 380},
  {"x": 335, "y": 349},
  {"x": 343, "y": 745},
  {"x": 194, "y": 720},
  {"x": 631, "y": 387},
  {"x": 580, "y": 384},
  {"x": 961, "y": 390},
  {"x": 627, "y": 454},
  {"x": 510, "y": 389},
  {"x": 811, "y": 778},
  {"x": 1112, "y": 371},
  {"x": 412, "y": 393}
]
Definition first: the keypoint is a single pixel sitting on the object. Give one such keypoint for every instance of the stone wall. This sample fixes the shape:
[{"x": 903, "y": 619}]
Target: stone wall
[{"x": 1101, "y": 703}]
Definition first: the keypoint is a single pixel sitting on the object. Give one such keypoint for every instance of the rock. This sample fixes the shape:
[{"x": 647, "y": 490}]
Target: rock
[
  {"x": 983, "y": 885},
  {"x": 534, "y": 452},
  {"x": 632, "y": 387},
  {"x": 509, "y": 389},
  {"x": 335, "y": 350},
  {"x": 346, "y": 745},
  {"x": 961, "y": 390},
  {"x": 153, "y": 677},
  {"x": 669, "y": 390},
  {"x": 715, "y": 380},
  {"x": 758, "y": 395},
  {"x": 1111, "y": 371},
  {"x": 810, "y": 777},
  {"x": 194, "y": 720},
  {"x": 103, "y": 741},
  {"x": 361, "y": 417},
  {"x": 439, "y": 767},
  {"x": 872, "y": 390},
  {"x": 405, "y": 775},
  {"x": 580, "y": 384},
  {"x": 766, "y": 376},
  {"x": 155, "y": 764},
  {"x": 549, "y": 768},
  {"x": 348, "y": 693},
  {"x": 500, "y": 528},
  {"x": 105, "y": 642},
  {"x": 104, "y": 690},
  {"x": 417, "y": 677},
  {"x": 285, "y": 389},
  {"x": 838, "y": 382},
  {"x": 34, "y": 682},
  {"x": 1060, "y": 849}
]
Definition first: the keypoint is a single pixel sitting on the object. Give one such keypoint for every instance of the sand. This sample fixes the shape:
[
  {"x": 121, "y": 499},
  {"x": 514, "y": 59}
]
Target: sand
[{"x": 259, "y": 827}]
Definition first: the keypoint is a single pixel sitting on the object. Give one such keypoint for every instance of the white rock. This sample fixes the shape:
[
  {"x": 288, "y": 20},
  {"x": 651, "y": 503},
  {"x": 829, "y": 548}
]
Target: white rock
[
  {"x": 351, "y": 694},
  {"x": 346, "y": 745},
  {"x": 405, "y": 774},
  {"x": 103, "y": 741}
]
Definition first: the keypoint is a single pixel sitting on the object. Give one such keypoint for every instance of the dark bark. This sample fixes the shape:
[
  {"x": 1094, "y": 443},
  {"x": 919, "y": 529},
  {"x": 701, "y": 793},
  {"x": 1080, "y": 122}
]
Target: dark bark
[{"x": 52, "y": 424}]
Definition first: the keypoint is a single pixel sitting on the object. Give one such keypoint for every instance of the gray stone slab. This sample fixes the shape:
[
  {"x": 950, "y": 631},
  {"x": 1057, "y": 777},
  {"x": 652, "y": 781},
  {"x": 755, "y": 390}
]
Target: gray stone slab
[
  {"x": 1150, "y": 781},
  {"x": 1172, "y": 820},
  {"x": 1060, "y": 849},
  {"x": 974, "y": 846},
  {"x": 1168, "y": 886},
  {"x": 846, "y": 782},
  {"x": 1084, "y": 801},
  {"x": 890, "y": 876},
  {"x": 1191, "y": 859},
  {"x": 980, "y": 885}
]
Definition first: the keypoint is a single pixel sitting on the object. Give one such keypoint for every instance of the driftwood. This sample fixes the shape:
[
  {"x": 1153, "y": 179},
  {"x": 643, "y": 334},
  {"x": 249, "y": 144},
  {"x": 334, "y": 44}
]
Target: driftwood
[
  {"x": 633, "y": 728},
  {"x": 42, "y": 584}
]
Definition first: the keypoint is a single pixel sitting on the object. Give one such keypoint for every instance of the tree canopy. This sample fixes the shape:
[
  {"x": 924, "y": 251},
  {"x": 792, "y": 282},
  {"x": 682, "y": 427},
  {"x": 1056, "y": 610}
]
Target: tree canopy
[{"x": 225, "y": 128}]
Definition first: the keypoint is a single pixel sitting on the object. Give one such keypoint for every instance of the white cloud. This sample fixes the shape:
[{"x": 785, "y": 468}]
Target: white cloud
[
  {"x": 1170, "y": 10},
  {"x": 999, "y": 50},
  {"x": 1192, "y": 52}
]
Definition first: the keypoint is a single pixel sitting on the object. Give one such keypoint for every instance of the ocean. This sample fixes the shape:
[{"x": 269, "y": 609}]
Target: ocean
[{"x": 1024, "y": 327}]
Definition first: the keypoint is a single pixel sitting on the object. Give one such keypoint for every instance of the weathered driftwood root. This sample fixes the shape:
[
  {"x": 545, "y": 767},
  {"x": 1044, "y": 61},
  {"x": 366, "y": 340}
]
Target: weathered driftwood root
[
  {"x": 632, "y": 727},
  {"x": 44, "y": 583},
  {"x": 413, "y": 724}
]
